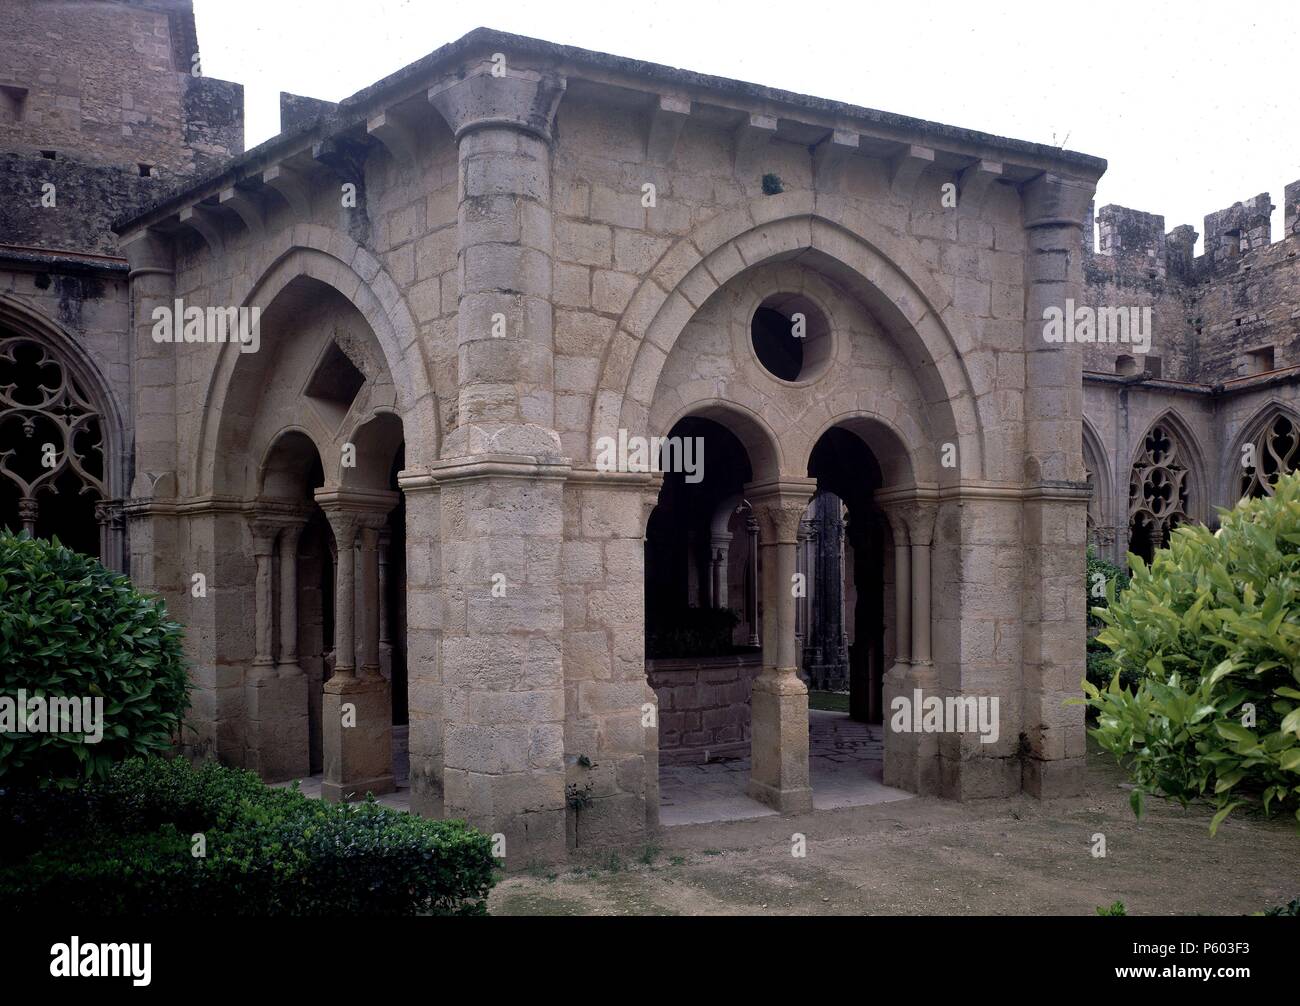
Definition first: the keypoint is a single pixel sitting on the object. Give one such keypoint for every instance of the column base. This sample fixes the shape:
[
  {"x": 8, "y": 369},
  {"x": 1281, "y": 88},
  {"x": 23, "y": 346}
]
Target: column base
[
  {"x": 277, "y": 742},
  {"x": 911, "y": 758},
  {"x": 779, "y": 741},
  {"x": 786, "y": 801},
  {"x": 1049, "y": 780},
  {"x": 357, "y": 724}
]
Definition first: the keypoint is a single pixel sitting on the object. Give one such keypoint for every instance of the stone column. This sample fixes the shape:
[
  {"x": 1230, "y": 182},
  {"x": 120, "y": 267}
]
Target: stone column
[
  {"x": 356, "y": 709},
  {"x": 720, "y": 545},
  {"x": 275, "y": 696},
  {"x": 385, "y": 638},
  {"x": 369, "y": 591},
  {"x": 426, "y": 602},
  {"x": 911, "y": 759},
  {"x": 902, "y": 587},
  {"x": 154, "y": 536},
  {"x": 344, "y": 525},
  {"x": 288, "y": 665},
  {"x": 920, "y": 526},
  {"x": 751, "y": 581},
  {"x": 779, "y": 705},
  {"x": 263, "y": 615},
  {"x": 501, "y": 473},
  {"x": 802, "y": 603},
  {"x": 28, "y": 511},
  {"x": 504, "y": 324},
  {"x": 108, "y": 541},
  {"x": 1056, "y": 493}
]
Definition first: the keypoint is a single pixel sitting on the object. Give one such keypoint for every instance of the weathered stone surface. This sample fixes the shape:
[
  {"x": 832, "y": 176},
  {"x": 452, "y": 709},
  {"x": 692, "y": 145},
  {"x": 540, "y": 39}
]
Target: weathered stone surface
[{"x": 569, "y": 250}]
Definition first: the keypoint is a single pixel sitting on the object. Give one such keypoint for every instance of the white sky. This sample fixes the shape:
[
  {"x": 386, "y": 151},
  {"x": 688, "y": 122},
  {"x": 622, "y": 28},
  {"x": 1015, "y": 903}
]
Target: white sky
[{"x": 1193, "y": 103}]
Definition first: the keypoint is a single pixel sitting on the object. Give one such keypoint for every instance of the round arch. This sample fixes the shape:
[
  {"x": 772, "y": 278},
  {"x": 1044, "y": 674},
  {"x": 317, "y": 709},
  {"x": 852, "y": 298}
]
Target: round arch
[
  {"x": 902, "y": 464},
  {"x": 753, "y": 432}
]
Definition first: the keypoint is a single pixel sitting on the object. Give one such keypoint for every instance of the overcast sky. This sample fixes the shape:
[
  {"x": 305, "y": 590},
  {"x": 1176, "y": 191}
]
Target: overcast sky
[{"x": 1194, "y": 104}]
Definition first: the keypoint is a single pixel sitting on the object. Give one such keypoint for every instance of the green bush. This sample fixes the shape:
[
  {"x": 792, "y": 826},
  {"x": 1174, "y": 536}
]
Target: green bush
[
  {"x": 1101, "y": 571},
  {"x": 1100, "y": 667},
  {"x": 125, "y": 845},
  {"x": 692, "y": 632},
  {"x": 71, "y": 628},
  {"x": 1211, "y": 630}
]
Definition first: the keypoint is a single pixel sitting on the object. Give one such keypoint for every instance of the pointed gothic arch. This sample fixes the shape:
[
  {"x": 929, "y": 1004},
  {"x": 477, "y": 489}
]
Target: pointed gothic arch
[
  {"x": 1271, "y": 442},
  {"x": 1166, "y": 484},
  {"x": 62, "y": 440}
]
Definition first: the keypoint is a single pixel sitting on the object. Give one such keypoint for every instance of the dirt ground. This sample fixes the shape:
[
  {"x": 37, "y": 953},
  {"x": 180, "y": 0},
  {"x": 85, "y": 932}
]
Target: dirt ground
[{"x": 931, "y": 857}]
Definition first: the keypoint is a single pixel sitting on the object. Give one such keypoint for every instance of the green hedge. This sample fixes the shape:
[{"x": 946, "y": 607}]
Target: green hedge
[
  {"x": 71, "y": 628},
  {"x": 1211, "y": 632},
  {"x": 125, "y": 845}
]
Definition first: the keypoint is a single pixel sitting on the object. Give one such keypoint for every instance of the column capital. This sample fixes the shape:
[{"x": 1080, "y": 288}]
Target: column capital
[
  {"x": 500, "y": 96},
  {"x": 778, "y": 505},
  {"x": 1051, "y": 200},
  {"x": 911, "y": 517},
  {"x": 148, "y": 251},
  {"x": 920, "y": 517},
  {"x": 267, "y": 520}
]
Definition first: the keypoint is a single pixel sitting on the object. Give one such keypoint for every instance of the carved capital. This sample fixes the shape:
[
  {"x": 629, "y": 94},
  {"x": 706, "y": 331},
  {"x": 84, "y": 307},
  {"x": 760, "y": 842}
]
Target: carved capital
[
  {"x": 779, "y": 508},
  {"x": 1052, "y": 200},
  {"x": 920, "y": 521},
  {"x": 508, "y": 98}
]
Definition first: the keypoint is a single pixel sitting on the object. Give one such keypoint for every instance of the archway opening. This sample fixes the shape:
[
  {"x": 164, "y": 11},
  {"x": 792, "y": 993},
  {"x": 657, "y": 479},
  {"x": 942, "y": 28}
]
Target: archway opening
[
  {"x": 702, "y": 609},
  {"x": 847, "y": 614}
]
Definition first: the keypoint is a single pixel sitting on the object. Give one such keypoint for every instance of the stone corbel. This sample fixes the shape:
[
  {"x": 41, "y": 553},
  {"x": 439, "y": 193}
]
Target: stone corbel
[
  {"x": 905, "y": 170},
  {"x": 208, "y": 223},
  {"x": 292, "y": 187},
  {"x": 752, "y": 136},
  {"x": 974, "y": 183},
  {"x": 397, "y": 136},
  {"x": 667, "y": 118},
  {"x": 832, "y": 156},
  {"x": 248, "y": 206},
  {"x": 344, "y": 156}
]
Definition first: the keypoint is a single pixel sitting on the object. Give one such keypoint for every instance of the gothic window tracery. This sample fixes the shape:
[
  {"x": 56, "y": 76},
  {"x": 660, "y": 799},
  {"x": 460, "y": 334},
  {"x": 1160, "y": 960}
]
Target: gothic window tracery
[
  {"x": 1276, "y": 451},
  {"x": 52, "y": 462},
  {"x": 1158, "y": 492}
]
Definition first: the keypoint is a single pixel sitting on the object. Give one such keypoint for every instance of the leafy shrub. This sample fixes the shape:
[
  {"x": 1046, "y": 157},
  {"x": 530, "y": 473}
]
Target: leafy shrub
[
  {"x": 1212, "y": 631},
  {"x": 1292, "y": 907},
  {"x": 71, "y": 628},
  {"x": 692, "y": 632},
  {"x": 1117, "y": 908},
  {"x": 1099, "y": 666},
  {"x": 125, "y": 845},
  {"x": 1109, "y": 573}
]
